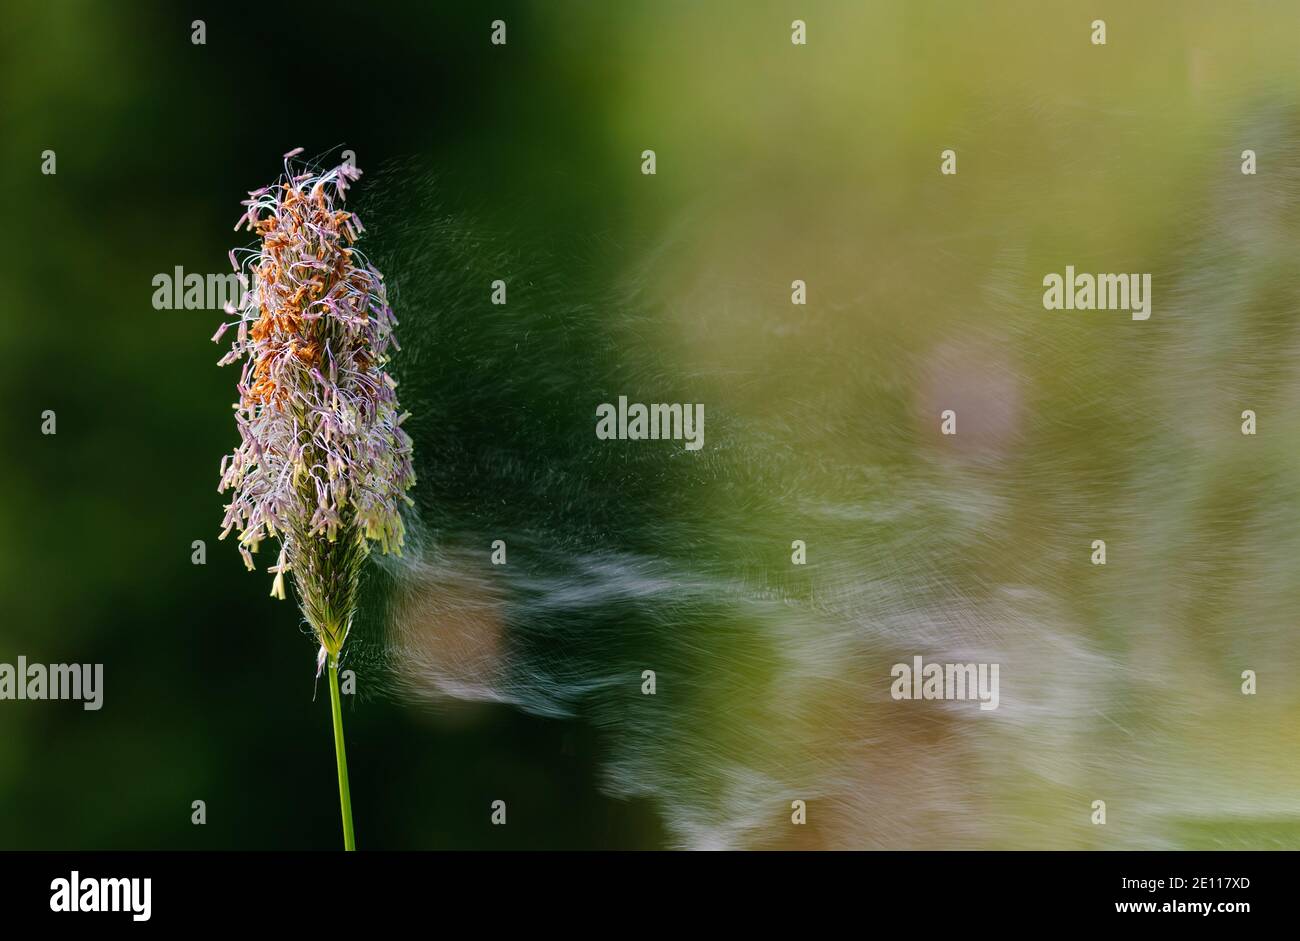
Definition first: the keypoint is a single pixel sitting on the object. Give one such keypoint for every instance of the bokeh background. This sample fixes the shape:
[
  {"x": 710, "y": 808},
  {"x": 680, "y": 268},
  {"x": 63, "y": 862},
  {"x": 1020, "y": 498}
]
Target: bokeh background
[{"x": 819, "y": 162}]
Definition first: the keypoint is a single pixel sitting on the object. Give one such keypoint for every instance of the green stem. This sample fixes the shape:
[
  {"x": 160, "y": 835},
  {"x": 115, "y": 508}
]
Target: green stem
[{"x": 340, "y": 752}]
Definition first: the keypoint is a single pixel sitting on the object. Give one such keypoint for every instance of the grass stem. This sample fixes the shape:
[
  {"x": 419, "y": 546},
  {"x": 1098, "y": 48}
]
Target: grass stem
[{"x": 340, "y": 752}]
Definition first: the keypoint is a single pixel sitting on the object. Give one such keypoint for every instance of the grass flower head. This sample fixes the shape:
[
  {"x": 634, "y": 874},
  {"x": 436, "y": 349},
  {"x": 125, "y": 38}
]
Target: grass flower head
[{"x": 323, "y": 464}]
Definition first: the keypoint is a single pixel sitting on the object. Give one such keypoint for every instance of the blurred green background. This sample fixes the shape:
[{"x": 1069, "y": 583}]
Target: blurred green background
[{"x": 775, "y": 162}]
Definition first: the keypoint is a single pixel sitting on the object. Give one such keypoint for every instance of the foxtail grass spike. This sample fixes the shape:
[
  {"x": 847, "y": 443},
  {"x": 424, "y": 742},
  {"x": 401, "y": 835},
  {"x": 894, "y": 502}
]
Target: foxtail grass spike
[{"x": 323, "y": 464}]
